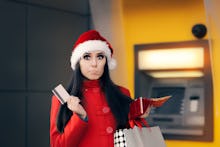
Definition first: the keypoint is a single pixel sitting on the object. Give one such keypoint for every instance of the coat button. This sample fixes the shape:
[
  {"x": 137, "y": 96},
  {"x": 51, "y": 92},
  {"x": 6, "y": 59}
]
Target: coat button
[
  {"x": 109, "y": 130},
  {"x": 105, "y": 109}
]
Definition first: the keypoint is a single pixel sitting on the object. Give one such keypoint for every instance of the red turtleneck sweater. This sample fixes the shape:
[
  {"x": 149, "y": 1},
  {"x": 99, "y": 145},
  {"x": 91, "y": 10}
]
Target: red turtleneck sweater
[{"x": 101, "y": 125}]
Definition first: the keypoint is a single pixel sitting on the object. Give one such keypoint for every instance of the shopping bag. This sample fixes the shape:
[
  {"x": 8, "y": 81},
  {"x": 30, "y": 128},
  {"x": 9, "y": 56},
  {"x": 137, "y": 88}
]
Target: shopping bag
[{"x": 139, "y": 137}]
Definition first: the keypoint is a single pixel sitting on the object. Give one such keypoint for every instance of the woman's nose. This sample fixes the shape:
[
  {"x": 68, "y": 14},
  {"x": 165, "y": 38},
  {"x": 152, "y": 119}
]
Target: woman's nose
[{"x": 94, "y": 62}]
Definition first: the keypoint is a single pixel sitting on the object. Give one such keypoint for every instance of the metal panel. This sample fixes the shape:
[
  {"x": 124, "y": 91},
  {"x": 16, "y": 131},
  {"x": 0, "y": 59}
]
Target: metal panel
[
  {"x": 50, "y": 38},
  {"x": 12, "y": 118},
  {"x": 12, "y": 57},
  {"x": 38, "y": 119},
  {"x": 78, "y": 6}
]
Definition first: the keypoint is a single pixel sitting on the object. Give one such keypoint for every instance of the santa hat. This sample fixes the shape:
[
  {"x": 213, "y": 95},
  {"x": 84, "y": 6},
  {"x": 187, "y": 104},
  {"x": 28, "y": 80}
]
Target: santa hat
[{"x": 92, "y": 41}]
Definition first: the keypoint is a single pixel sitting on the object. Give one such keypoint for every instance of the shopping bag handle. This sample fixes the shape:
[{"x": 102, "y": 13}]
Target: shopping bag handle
[{"x": 139, "y": 122}]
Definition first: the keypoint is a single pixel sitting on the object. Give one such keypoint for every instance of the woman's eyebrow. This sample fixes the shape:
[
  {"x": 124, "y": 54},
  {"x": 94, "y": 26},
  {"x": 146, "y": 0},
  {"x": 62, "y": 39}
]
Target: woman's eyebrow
[
  {"x": 86, "y": 53},
  {"x": 101, "y": 53}
]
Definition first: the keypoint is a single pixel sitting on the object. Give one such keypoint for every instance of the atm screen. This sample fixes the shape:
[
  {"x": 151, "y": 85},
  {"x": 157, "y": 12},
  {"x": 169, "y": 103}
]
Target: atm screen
[{"x": 174, "y": 105}]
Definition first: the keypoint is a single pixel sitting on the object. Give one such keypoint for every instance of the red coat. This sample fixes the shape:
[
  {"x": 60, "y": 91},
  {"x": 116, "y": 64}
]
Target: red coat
[{"x": 97, "y": 132}]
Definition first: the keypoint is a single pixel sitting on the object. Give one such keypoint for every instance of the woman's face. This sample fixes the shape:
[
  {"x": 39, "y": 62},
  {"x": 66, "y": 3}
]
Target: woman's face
[{"x": 92, "y": 64}]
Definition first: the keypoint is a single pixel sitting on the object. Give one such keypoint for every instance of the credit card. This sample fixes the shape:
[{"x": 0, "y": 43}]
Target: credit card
[{"x": 61, "y": 93}]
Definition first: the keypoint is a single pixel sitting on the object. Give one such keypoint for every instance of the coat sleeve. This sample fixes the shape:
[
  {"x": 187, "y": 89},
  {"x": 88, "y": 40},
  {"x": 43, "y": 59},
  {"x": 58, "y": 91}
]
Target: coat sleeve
[
  {"x": 73, "y": 131},
  {"x": 125, "y": 91}
]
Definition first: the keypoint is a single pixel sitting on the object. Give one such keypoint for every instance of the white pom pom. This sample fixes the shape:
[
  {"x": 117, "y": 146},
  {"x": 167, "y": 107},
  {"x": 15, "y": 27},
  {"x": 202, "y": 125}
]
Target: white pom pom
[{"x": 112, "y": 64}]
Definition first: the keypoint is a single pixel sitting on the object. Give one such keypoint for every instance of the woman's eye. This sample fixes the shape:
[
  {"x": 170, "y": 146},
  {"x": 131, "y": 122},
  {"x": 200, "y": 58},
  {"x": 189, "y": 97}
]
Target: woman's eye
[
  {"x": 100, "y": 57},
  {"x": 86, "y": 57}
]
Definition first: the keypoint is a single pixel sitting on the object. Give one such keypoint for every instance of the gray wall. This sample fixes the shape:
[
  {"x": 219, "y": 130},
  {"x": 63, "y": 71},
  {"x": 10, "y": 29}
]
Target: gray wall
[{"x": 35, "y": 42}]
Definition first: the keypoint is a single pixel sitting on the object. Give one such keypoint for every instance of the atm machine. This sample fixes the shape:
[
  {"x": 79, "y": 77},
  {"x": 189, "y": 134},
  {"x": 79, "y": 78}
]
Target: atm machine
[{"x": 182, "y": 70}]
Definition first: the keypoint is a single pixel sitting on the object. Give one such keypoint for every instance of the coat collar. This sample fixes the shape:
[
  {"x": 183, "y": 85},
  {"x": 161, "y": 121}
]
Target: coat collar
[{"x": 91, "y": 83}]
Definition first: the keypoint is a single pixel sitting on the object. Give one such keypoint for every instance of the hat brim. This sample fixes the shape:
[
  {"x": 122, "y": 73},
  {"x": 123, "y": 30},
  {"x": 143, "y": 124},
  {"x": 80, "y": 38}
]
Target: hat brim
[{"x": 89, "y": 46}]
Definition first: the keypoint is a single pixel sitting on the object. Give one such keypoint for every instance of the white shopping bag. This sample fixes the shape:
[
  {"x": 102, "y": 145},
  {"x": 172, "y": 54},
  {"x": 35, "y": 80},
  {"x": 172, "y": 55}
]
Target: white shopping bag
[{"x": 139, "y": 137}]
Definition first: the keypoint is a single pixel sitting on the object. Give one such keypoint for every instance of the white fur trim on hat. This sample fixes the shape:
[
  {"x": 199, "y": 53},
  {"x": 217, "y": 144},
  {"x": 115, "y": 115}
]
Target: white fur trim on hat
[{"x": 92, "y": 45}]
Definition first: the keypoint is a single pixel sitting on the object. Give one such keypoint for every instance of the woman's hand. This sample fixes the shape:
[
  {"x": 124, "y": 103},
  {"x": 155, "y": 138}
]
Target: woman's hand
[
  {"x": 147, "y": 112},
  {"x": 73, "y": 103}
]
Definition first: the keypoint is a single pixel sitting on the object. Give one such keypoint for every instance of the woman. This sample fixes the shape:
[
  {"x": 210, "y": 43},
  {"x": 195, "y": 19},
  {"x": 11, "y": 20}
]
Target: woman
[{"x": 97, "y": 107}]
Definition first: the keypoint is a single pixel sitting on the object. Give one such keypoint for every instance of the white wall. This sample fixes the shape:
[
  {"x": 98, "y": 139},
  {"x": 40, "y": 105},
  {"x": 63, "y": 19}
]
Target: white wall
[{"x": 107, "y": 19}]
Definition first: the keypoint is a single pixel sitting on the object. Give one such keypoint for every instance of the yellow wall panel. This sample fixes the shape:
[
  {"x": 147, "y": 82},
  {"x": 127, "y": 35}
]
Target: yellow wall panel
[{"x": 154, "y": 21}]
